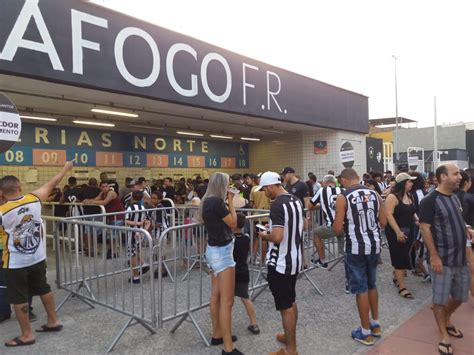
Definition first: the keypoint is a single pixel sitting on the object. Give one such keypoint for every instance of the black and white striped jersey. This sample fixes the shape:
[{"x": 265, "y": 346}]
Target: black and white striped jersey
[
  {"x": 326, "y": 197},
  {"x": 361, "y": 223},
  {"x": 286, "y": 212},
  {"x": 136, "y": 212},
  {"x": 148, "y": 190},
  {"x": 160, "y": 217},
  {"x": 128, "y": 197}
]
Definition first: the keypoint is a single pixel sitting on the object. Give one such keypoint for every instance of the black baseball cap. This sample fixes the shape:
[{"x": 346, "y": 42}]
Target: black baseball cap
[{"x": 287, "y": 170}]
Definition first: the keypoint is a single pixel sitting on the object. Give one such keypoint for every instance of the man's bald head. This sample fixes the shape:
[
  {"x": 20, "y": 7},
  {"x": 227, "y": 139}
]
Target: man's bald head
[
  {"x": 349, "y": 177},
  {"x": 349, "y": 174}
]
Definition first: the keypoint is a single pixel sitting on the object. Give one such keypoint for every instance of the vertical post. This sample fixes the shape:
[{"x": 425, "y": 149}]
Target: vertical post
[
  {"x": 435, "y": 132},
  {"x": 396, "y": 111}
]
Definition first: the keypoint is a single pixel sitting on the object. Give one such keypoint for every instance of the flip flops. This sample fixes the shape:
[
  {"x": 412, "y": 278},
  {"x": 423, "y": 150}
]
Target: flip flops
[
  {"x": 405, "y": 294},
  {"x": 448, "y": 349},
  {"x": 45, "y": 329},
  {"x": 19, "y": 342},
  {"x": 454, "y": 332}
]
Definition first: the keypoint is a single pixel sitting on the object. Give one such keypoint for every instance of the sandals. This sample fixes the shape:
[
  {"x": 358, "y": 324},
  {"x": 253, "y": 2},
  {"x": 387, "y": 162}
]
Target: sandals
[
  {"x": 19, "y": 342},
  {"x": 254, "y": 329},
  {"x": 405, "y": 294},
  {"x": 45, "y": 329},
  {"x": 454, "y": 332},
  {"x": 445, "y": 349}
]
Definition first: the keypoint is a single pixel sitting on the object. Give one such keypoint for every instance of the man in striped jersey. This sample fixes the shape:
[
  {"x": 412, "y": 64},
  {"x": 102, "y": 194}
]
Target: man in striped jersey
[
  {"x": 325, "y": 199},
  {"x": 135, "y": 186},
  {"x": 445, "y": 235},
  {"x": 360, "y": 216},
  {"x": 284, "y": 257}
]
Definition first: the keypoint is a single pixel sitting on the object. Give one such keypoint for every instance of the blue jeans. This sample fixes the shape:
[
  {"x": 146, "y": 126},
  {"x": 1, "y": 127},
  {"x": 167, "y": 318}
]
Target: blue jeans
[{"x": 361, "y": 272}]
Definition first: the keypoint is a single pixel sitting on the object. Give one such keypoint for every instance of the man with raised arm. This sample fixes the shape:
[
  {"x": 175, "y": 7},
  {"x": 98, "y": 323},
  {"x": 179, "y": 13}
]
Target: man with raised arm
[{"x": 24, "y": 256}]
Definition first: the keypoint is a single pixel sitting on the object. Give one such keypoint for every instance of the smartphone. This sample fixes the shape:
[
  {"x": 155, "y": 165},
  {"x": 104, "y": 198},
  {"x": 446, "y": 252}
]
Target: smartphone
[{"x": 261, "y": 227}]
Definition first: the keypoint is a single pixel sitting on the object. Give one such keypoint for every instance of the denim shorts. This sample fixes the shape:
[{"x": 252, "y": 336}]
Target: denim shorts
[
  {"x": 220, "y": 258},
  {"x": 361, "y": 272}
]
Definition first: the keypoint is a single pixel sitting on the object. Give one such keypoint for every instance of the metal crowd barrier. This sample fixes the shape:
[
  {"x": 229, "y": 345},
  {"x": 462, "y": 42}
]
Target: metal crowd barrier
[
  {"x": 176, "y": 255},
  {"x": 99, "y": 281},
  {"x": 50, "y": 219}
]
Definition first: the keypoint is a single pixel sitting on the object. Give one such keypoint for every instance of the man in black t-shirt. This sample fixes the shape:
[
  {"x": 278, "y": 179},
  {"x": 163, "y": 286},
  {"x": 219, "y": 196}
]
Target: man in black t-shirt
[
  {"x": 73, "y": 195},
  {"x": 89, "y": 193},
  {"x": 295, "y": 186},
  {"x": 168, "y": 189},
  {"x": 445, "y": 235}
]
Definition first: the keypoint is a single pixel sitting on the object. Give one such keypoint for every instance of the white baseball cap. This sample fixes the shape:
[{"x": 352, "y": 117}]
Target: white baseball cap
[
  {"x": 404, "y": 176},
  {"x": 269, "y": 178}
]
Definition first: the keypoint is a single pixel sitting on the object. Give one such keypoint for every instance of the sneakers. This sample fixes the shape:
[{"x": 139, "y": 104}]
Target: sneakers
[
  {"x": 319, "y": 263},
  {"x": 426, "y": 278},
  {"x": 357, "y": 335},
  {"x": 375, "y": 329},
  {"x": 32, "y": 316}
]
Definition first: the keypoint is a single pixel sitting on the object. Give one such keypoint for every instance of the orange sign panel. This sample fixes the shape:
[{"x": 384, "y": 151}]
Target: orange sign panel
[
  {"x": 196, "y": 161},
  {"x": 50, "y": 157},
  {"x": 109, "y": 159}
]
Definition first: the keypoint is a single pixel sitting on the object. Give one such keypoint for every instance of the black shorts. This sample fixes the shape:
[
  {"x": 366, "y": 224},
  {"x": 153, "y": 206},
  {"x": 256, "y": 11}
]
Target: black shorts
[
  {"x": 27, "y": 281},
  {"x": 283, "y": 288},
  {"x": 241, "y": 289}
]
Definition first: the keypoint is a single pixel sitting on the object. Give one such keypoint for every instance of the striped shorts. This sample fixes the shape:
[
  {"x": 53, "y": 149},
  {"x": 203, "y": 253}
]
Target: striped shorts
[{"x": 454, "y": 281}]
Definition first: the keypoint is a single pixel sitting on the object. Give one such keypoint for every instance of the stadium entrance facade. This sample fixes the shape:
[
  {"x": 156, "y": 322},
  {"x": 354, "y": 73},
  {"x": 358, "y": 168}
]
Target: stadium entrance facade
[{"x": 133, "y": 99}]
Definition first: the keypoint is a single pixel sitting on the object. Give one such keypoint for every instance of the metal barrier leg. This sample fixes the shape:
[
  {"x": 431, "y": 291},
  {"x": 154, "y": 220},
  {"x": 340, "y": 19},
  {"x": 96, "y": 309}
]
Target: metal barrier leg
[
  {"x": 123, "y": 330},
  {"x": 190, "y": 269},
  {"x": 75, "y": 295},
  {"x": 337, "y": 261},
  {"x": 259, "y": 292},
  {"x": 304, "y": 273},
  {"x": 196, "y": 325},
  {"x": 170, "y": 275}
]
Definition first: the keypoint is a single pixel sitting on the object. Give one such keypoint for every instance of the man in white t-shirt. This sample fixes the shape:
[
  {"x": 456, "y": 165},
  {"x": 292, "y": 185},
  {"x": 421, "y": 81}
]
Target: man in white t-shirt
[{"x": 24, "y": 257}]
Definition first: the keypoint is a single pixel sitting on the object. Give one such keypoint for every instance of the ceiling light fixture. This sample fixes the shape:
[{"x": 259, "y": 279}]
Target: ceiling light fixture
[
  {"x": 91, "y": 123},
  {"x": 39, "y": 118},
  {"x": 250, "y": 139},
  {"x": 147, "y": 127},
  {"x": 190, "y": 133},
  {"x": 115, "y": 113},
  {"x": 218, "y": 136}
]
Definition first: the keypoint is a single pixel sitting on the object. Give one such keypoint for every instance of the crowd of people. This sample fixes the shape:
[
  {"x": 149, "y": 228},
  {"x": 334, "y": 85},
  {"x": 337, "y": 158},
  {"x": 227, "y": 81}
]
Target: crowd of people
[{"x": 425, "y": 218}]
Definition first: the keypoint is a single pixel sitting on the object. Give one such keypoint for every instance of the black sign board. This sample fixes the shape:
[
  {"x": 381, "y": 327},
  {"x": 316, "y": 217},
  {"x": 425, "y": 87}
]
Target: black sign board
[
  {"x": 82, "y": 44},
  {"x": 374, "y": 154}
]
